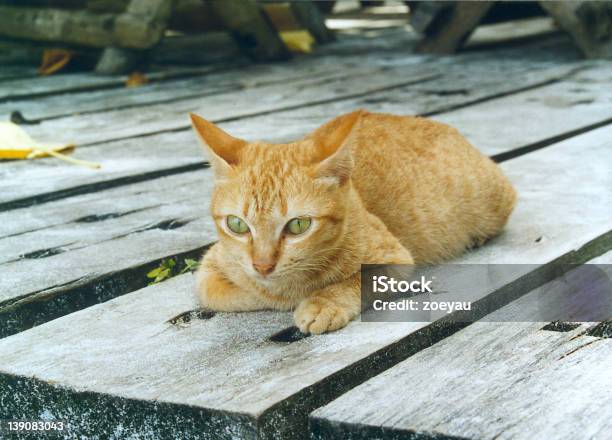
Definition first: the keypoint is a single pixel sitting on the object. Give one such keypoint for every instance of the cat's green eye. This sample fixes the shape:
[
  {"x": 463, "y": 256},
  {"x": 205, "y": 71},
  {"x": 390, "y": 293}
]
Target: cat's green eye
[
  {"x": 237, "y": 225},
  {"x": 297, "y": 226}
]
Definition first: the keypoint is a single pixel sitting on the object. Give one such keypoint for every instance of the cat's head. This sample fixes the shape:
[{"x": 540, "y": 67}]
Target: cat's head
[{"x": 280, "y": 208}]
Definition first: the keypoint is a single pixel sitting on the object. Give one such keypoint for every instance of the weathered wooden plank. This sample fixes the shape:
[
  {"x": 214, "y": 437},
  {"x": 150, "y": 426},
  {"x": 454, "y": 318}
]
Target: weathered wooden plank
[
  {"x": 223, "y": 377},
  {"x": 54, "y": 106},
  {"x": 130, "y": 122},
  {"x": 573, "y": 102},
  {"x": 9, "y": 72},
  {"x": 47, "y": 178},
  {"x": 78, "y": 82},
  {"x": 569, "y": 105},
  {"x": 75, "y": 223},
  {"x": 494, "y": 379},
  {"x": 114, "y": 237}
]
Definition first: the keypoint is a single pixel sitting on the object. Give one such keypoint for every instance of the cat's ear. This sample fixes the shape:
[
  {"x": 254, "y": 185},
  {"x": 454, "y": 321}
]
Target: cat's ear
[
  {"x": 334, "y": 152},
  {"x": 223, "y": 150},
  {"x": 330, "y": 136}
]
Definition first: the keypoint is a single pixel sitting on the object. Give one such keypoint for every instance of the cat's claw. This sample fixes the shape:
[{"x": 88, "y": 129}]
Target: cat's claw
[{"x": 317, "y": 315}]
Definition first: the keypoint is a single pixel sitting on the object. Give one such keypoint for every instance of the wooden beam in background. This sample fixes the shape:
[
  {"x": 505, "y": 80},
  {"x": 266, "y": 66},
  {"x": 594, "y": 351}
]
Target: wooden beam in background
[{"x": 251, "y": 28}]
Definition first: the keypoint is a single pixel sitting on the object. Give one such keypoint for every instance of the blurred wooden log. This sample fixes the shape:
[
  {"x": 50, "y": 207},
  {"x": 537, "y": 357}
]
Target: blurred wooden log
[
  {"x": 194, "y": 16},
  {"x": 424, "y": 15},
  {"x": 141, "y": 19},
  {"x": 290, "y": 16},
  {"x": 144, "y": 19},
  {"x": 78, "y": 27},
  {"x": 115, "y": 61},
  {"x": 188, "y": 49},
  {"x": 308, "y": 14},
  {"x": 588, "y": 22},
  {"x": 191, "y": 16},
  {"x": 449, "y": 28},
  {"x": 281, "y": 16},
  {"x": 251, "y": 28}
]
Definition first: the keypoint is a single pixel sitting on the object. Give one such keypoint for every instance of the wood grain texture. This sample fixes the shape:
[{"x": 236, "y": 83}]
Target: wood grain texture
[{"x": 492, "y": 380}]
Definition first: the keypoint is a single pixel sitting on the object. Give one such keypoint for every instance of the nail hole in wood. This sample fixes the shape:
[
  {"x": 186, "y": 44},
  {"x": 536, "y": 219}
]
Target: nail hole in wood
[
  {"x": 191, "y": 315},
  {"x": 169, "y": 224},
  {"x": 601, "y": 330},
  {"x": 43, "y": 253},
  {"x": 97, "y": 217},
  {"x": 290, "y": 334},
  {"x": 558, "y": 326}
]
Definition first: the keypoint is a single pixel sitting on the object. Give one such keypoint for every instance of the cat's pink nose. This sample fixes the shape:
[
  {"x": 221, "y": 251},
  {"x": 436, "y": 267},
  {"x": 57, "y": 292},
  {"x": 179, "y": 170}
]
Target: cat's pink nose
[{"x": 264, "y": 267}]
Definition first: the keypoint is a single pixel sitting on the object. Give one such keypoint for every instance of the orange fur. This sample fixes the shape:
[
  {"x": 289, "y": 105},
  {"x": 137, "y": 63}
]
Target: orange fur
[{"x": 378, "y": 188}]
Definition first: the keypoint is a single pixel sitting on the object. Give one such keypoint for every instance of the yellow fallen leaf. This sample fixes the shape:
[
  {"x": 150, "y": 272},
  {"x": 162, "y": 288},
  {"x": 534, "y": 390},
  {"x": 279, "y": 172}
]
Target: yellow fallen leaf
[
  {"x": 136, "y": 79},
  {"x": 15, "y": 143},
  {"x": 298, "y": 41},
  {"x": 54, "y": 60}
]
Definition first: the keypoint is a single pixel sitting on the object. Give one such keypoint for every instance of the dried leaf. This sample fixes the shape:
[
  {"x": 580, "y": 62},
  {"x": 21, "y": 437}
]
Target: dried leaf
[
  {"x": 15, "y": 143},
  {"x": 54, "y": 60},
  {"x": 136, "y": 79},
  {"x": 298, "y": 41}
]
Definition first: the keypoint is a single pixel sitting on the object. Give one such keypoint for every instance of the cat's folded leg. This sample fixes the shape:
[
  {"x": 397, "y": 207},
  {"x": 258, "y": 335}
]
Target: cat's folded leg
[
  {"x": 330, "y": 308},
  {"x": 217, "y": 293}
]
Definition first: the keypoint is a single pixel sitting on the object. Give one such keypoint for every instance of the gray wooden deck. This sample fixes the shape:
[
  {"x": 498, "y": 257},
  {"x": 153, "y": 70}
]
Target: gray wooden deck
[{"x": 84, "y": 338}]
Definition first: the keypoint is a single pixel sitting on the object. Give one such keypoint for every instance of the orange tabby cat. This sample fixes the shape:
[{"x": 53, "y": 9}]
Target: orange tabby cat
[{"x": 296, "y": 221}]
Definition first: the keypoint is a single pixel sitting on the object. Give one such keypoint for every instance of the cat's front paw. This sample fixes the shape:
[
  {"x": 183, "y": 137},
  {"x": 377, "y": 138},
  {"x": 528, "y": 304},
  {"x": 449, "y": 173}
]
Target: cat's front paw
[{"x": 318, "y": 315}]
